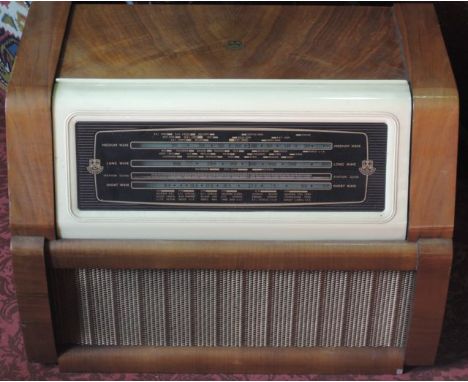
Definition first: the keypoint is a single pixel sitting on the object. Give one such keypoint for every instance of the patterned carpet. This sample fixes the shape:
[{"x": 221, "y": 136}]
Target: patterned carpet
[
  {"x": 452, "y": 360},
  {"x": 12, "y": 19}
]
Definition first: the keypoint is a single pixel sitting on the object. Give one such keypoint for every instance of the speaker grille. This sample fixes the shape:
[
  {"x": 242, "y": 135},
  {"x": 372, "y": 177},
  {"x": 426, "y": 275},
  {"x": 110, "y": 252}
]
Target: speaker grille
[{"x": 232, "y": 307}]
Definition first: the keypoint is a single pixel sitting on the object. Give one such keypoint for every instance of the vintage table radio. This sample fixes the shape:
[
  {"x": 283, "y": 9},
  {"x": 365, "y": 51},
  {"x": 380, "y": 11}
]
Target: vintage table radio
[{"x": 232, "y": 188}]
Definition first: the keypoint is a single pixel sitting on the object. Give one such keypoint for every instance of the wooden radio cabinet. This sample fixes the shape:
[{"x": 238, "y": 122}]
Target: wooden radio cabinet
[{"x": 131, "y": 291}]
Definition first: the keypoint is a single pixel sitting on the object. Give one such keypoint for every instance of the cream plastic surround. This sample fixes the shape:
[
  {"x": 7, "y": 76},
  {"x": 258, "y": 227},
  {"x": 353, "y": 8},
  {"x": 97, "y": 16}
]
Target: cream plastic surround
[{"x": 386, "y": 101}]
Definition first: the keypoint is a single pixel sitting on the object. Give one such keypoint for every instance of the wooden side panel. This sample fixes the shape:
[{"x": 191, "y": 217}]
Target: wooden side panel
[
  {"x": 33, "y": 298},
  {"x": 29, "y": 123},
  {"x": 140, "y": 254},
  {"x": 435, "y": 123},
  {"x": 232, "y": 41},
  {"x": 232, "y": 360},
  {"x": 432, "y": 279}
]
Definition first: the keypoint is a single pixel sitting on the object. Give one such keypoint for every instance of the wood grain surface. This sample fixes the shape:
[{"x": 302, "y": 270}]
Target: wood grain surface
[
  {"x": 432, "y": 279},
  {"x": 232, "y": 41},
  {"x": 29, "y": 122},
  {"x": 232, "y": 360},
  {"x": 146, "y": 254},
  {"x": 434, "y": 138},
  {"x": 33, "y": 298}
]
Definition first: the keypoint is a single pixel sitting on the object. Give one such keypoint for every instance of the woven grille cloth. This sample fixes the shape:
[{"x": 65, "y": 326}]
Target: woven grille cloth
[{"x": 233, "y": 307}]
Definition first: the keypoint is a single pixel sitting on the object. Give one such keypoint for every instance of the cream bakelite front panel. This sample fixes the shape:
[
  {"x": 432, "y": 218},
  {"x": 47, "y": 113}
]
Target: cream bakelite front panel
[{"x": 251, "y": 101}]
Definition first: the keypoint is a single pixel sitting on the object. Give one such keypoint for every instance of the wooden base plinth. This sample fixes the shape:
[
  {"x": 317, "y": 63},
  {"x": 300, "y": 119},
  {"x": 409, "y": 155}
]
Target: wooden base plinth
[{"x": 232, "y": 360}]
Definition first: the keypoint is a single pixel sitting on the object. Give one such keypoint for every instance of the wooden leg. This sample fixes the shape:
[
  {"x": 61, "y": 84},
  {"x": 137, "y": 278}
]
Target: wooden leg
[
  {"x": 33, "y": 298},
  {"x": 432, "y": 279}
]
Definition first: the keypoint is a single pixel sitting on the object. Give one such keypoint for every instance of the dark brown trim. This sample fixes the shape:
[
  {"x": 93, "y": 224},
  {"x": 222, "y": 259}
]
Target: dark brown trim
[
  {"x": 33, "y": 298},
  {"x": 231, "y": 254},
  {"x": 232, "y": 360},
  {"x": 29, "y": 121},
  {"x": 432, "y": 278}
]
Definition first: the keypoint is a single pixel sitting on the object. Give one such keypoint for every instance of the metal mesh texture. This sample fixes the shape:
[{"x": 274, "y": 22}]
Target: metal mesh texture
[{"x": 232, "y": 307}]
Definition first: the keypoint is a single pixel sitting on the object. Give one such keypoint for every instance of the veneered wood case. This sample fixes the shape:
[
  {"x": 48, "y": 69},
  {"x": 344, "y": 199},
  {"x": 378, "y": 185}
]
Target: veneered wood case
[
  {"x": 278, "y": 42},
  {"x": 274, "y": 284}
]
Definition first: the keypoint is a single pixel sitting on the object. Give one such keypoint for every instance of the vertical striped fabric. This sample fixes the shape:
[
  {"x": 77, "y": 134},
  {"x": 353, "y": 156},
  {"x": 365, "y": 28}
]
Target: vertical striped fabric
[{"x": 233, "y": 307}]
